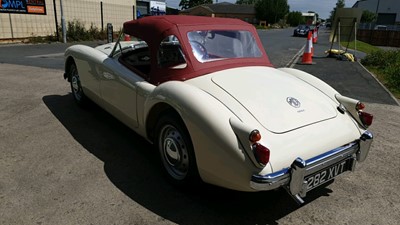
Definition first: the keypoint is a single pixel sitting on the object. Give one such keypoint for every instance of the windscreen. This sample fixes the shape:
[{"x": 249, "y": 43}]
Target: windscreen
[{"x": 211, "y": 45}]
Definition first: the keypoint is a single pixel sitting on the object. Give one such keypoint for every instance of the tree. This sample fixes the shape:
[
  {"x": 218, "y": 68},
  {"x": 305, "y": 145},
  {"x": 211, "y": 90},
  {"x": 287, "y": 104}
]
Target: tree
[
  {"x": 271, "y": 10},
  {"x": 295, "y": 18},
  {"x": 368, "y": 17},
  {"x": 246, "y": 2},
  {"x": 185, "y": 4},
  {"x": 339, "y": 4}
]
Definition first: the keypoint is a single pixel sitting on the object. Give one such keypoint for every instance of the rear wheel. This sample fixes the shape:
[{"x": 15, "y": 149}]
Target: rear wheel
[
  {"x": 76, "y": 87},
  {"x": 176, "y": 150}
]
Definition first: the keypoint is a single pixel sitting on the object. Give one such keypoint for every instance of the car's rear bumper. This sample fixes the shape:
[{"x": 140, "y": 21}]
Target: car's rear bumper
[{"x": 292, "y": 178}]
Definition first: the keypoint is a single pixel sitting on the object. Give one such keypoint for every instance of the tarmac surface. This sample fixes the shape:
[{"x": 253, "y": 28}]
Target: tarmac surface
[
  {"x": 348, "y": 78},
  {"x": 60, "y": 164}
]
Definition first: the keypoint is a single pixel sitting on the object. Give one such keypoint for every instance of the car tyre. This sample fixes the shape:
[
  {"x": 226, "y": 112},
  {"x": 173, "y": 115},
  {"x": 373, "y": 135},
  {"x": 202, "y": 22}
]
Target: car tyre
[
  {"x": 176, "y": 151},
  {"x": 76, "y": 87}
]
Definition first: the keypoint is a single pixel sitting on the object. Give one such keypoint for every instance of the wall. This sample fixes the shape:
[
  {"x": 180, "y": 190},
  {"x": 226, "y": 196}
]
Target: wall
[
  {"x": 86, "y": 11},
  {"x": 385, "y": 6}
]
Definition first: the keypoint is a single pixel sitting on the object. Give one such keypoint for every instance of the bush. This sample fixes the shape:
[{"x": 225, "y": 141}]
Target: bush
[
  {"x": 381, "y": 59},
  {"x": 386, "y": 63},
  {"x": 76, "y": 31},
  {"x": 392, "y": 76}
]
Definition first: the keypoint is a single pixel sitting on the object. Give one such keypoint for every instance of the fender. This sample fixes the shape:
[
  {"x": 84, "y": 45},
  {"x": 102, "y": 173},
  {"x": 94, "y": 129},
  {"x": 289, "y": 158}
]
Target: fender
[
  {"x": 208, "y": 122},
  {"x": 87, "y": 60},
  {"x": 83, "y": 52}
]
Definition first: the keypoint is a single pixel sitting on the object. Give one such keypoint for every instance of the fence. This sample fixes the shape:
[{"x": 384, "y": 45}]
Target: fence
[
  {"x": 89, "y": 12},
  {"x": 373, "y": 26},
  {"x": 379, "y": 37}
]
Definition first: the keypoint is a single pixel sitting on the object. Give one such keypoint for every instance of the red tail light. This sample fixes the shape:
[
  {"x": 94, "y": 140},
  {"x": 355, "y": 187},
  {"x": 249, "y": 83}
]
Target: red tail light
[
  {"x": 262, "y": 153},
  {"x": 366, "y": 118},
  {"x": 360, "y": 106}
]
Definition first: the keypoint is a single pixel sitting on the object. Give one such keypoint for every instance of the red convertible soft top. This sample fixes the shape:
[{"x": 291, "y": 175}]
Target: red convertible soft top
[
  {"x": 154, "y": 29},
  {"x": 155, "y": 25}
]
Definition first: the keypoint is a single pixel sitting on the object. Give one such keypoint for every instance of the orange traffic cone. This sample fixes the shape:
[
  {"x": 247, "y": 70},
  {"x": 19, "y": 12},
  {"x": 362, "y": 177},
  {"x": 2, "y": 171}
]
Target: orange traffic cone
[
  {"x": 315, "y": 36},
  {"x": 307, "y": 55}
]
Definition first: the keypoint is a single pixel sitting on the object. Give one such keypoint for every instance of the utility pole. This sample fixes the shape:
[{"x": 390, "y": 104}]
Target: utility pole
[
  {"x": 63, "y": 23},
  {"x": 55, "y": 18},
  {"x": 376, "y": 12}
]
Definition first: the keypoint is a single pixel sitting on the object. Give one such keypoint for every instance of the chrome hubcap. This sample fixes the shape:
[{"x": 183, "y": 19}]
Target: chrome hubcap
[
  {"x": 75, "y": 83},
  {"x": 174, "y": 152}
]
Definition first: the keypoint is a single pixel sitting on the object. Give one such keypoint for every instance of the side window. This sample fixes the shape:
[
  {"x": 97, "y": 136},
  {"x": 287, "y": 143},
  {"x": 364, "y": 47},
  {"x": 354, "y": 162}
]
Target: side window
[
  {"x": 135, "y": 54},
  {"x": 170, "y": 54}
]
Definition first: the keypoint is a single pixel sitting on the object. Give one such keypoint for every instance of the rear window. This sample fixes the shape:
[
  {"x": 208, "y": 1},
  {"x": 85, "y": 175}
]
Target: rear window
[{"x": 211, "y": 45}]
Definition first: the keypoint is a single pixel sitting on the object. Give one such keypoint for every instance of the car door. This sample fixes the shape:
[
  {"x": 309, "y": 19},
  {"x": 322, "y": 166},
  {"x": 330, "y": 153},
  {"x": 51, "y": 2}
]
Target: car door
[{"x": 118, "y": 87}]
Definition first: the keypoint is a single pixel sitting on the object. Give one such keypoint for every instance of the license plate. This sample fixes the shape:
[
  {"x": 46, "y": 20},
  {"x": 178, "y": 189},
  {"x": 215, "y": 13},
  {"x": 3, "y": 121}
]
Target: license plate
[{"x": 327, "y": 174}]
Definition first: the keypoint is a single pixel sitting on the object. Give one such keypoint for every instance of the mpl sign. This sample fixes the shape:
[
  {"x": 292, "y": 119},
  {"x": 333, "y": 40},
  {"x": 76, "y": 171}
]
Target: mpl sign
[{"x": 23, "y": 6}]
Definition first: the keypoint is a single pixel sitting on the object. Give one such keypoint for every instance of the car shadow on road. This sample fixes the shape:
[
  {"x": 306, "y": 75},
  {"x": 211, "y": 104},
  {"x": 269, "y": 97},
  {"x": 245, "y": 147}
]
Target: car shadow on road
[{"x": 133, "y": 166}]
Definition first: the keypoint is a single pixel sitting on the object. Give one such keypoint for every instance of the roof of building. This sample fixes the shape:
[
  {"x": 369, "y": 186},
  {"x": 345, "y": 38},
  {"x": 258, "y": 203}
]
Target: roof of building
[{"x": 225, "y": 7}]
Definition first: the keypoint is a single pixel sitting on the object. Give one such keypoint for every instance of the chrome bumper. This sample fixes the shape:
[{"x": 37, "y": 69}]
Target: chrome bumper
[{"x": 292, "y": 178}]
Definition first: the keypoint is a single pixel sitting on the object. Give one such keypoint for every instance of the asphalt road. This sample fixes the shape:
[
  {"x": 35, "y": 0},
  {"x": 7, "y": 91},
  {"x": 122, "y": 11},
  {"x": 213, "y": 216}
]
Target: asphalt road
[
  {"x": 38, "y": 55},
  {"x": 281, "y": 47},
  {"x": 348, "y": 78},
  {"x": 60, "y": 164},
  {"x": 52, "y": 55}
]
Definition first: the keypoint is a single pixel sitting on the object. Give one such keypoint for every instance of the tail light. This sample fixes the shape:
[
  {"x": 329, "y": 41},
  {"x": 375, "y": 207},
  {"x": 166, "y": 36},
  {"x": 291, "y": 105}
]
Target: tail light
[
  {"x": 366, "y": 118},
  {"x": 255, "y": 136},
  {"x": 262, "y": 153}
]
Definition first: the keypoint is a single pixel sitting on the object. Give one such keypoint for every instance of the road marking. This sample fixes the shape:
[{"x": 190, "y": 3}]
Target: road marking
[
  {"x": 295, "y": 58},
  {"x": 55, "y": 55}
]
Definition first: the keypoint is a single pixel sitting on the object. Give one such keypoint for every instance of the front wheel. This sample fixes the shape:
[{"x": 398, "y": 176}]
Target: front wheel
[
  {"x": 176, "y": 150},
  {"x": 76, "y": 87}
]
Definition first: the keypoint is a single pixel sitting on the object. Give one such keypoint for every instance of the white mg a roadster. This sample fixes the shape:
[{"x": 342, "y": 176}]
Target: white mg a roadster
[{"x": 203, "y": 91}]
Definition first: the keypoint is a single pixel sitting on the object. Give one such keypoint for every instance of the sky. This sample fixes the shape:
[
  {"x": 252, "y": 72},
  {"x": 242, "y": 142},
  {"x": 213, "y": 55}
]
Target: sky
[{"x": 322, "y": 7}]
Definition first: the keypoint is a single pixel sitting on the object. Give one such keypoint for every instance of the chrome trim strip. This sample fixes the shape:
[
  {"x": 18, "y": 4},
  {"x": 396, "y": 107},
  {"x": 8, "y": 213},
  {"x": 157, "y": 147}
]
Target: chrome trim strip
[
  {"x": 331, "y": 157},
  {"x": 330, "y": 153}
]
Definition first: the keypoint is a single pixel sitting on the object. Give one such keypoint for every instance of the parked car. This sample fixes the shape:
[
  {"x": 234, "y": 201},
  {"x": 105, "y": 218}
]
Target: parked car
[
  {"x": 380, "y": 27},
  {"x": 302, "y": 30},
  {"x": 328, "y": 25},
  {"x": 204, "y": 92}
]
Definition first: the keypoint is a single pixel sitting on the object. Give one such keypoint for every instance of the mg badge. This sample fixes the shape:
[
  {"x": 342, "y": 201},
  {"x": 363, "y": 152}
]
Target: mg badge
[{"x": 293, "y": 102}]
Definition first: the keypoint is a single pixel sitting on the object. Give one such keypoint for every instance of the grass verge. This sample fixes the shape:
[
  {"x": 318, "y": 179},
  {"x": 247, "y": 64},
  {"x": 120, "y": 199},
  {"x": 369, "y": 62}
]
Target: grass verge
[
  {"x": 386, "y": 67},
  {"x": 379, "y": 74},
  {"x": 361, "y": 46}
]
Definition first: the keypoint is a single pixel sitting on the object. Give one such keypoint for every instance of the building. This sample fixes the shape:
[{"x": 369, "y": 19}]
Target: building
[
  {"x": 310, "y": 18},
  {"x": 151, "y": 8},
  {"x": 388, "y": 11},
  {"x": 223, "y": 9},
  {"x": 22, "y": 18}
]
